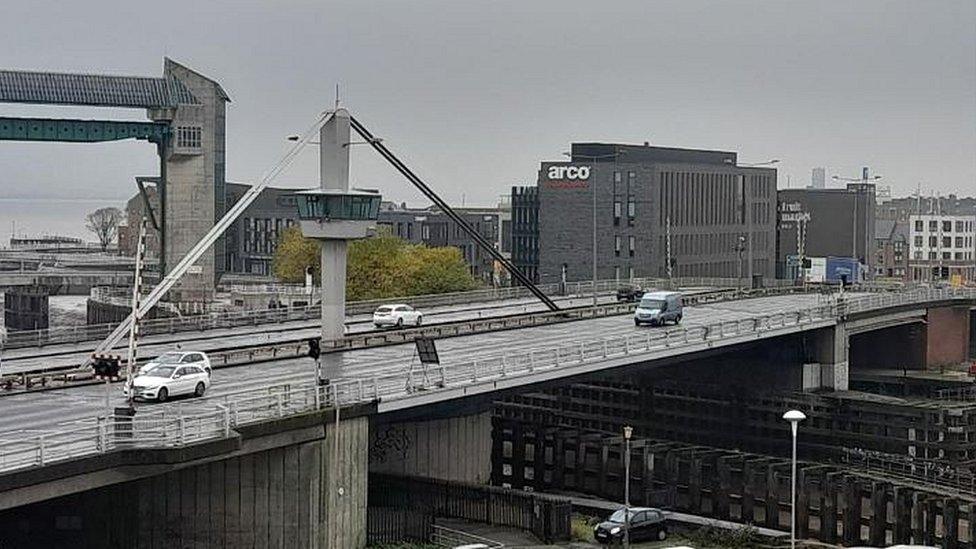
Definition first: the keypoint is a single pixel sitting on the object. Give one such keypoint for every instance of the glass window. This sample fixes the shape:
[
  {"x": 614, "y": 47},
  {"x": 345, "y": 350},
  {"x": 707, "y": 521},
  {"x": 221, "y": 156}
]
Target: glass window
[
  {"x": 617, "y": 177},
  {"x": 959, "y": 226},
  {"x": 631, "y": 207},
  {"x": 946, "y": 226},
  {"x": 632, "y": 244},
  {"x": 616, "y": 245},
  {"x": 919, "y": 225},
  {"x": 959, "y": 242},
  {"x": 933, "y": 225},
  {"x": 933, "y": 241},
  {"x": 918, "y": 241},
  {"x": 946, "y": 241}
]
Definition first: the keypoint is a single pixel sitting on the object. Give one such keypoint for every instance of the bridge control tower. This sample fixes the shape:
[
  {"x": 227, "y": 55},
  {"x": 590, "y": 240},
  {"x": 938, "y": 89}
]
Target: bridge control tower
[{"x": 334, "y": 215}]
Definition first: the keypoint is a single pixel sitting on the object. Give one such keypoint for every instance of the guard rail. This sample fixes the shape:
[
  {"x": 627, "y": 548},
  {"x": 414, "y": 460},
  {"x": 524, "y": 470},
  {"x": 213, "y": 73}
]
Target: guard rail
[
  {"x": 296, "y": 346},
  {"x": 215, "y": 417},
  {"x": 237, "y": 318}
]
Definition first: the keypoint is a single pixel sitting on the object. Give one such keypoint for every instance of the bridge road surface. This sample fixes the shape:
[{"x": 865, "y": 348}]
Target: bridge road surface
[
  {"x": 46, "y": 410},
  {"x": 73, "y": 354}
]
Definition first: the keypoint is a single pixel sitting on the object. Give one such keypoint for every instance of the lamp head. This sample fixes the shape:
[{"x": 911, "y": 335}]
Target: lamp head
[
  {"x": 628, "y": 430},
  {"x": 794, "y": 416}
]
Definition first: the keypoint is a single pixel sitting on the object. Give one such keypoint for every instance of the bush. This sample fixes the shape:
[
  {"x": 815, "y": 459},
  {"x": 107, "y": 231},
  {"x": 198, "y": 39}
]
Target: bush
[
  {"x": 746, "y": 537},
  {"x": 581, "y": 528}
]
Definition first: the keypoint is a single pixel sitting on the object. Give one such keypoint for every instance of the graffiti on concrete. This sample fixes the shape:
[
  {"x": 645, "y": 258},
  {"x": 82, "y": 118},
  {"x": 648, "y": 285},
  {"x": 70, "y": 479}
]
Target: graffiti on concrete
[{"x": 391, "y": 444}]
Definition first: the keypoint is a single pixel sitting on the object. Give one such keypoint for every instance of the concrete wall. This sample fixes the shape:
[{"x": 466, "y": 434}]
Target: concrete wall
[
  {"x": 947, "y": 341},
  {"x": 456, "y": 448},
  {"x": 298, "y": 495}
]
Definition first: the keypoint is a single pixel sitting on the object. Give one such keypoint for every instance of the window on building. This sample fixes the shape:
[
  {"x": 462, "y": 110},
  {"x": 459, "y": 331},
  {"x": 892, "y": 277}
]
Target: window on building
[
  {"x": 919, "y": 225},
  {"x": 946, "y": 241},
  {"x": 947, "y": 226},
  {"x": 630, "y": 272},
  {"x": 946, "y": 255},
  {"x": 425, "y": 231},
  {"x": 616, "y": 245},
  {"x": 918, "y": 255},
  {"x": 617, "y": 177},
  {"x": 189, "y": 137},
  {"x": 617, "y": 207},
  {"x": 960, "y": 226},
  {"x": 959, "y": 255},
  {"x": 616, "y": 273},
  {"x": 632, "y": 245},
  {"x": 631, "y": 208},
  {"x": 918, "y": 241},
  {"x": 932, "y": 255},
  {"x": 959, "y": 242},
  {"x": 409, "y": 231},
  {"x": 933, "y": 225}
]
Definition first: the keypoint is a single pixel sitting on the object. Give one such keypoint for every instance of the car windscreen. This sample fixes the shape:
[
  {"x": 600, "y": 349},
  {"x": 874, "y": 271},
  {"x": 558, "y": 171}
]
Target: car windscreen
[
  {"x": 169, "y": 358},
  {"x": 649, "y": 303},
  {"x": 384, "y": 310},
  {"x": 618, "y": 516},
  {"x": 162, "y": 371}
]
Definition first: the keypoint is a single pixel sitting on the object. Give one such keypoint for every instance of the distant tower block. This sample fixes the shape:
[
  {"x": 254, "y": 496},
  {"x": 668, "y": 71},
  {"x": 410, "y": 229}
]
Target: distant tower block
[
  {"x": 818, "y": 179},
  {"x": 334, "y": 215}
]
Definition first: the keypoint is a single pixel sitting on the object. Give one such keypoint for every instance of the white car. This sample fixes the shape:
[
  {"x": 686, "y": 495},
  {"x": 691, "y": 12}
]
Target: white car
[
  {"x": 173, "y": 358},
  {"x": 398, "y": 315},
  {"x": 166, "y": 381}
]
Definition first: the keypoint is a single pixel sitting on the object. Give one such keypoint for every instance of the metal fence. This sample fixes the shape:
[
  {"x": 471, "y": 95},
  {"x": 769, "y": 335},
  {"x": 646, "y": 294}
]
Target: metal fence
[
  {"x": 215, "y": 417},
  {"x": 237, "y": 318},
  {"x": 909, "y": 468}
]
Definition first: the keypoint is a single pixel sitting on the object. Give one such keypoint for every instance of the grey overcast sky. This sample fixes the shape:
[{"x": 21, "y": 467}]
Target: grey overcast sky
[{"x": 474, "y": 94}]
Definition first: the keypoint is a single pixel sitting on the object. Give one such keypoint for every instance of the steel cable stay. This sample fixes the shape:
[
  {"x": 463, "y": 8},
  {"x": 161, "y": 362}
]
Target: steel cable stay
[
  {"x": 208, "y": 240},
  {"x": 443, "y": 206}
]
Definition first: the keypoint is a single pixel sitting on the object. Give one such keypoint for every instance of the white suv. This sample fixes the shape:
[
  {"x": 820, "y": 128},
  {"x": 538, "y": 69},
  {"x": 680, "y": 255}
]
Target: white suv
[
  {"x": 165, "y": 381},
  {"x": 398, "y": 315}
]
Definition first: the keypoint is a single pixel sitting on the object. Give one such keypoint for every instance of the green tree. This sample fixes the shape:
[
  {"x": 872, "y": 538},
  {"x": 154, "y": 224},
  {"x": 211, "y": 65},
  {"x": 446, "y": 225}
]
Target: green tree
[{"x": 380, "y": 267}]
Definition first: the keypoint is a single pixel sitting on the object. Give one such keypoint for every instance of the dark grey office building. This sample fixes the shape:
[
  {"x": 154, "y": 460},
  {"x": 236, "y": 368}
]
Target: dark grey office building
[
  {"x": 638, "y": 195},
  {"x": 841, "y": 224},
  {"x": 432, "y": 227},
  {"x": 525, "y": 231},
  {"x": 251, "y": 241}
]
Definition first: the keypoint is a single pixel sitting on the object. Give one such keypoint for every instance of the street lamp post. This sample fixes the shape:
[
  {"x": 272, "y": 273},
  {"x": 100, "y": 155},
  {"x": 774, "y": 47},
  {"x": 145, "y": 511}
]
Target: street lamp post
[
  {"x": 740, "y": 246},
  {"x": 794, "y": 417},
  {"x": 628, "y": 430},
  {"x": 593, "y": 221}
]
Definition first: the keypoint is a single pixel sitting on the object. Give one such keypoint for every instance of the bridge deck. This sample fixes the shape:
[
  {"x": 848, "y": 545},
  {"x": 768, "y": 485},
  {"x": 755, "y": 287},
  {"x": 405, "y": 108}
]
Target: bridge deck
[{"x": 46, "y": 410}]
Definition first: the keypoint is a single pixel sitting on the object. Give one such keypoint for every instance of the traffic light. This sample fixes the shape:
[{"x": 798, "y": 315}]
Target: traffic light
[
  {"x": 313, "y": 348},
  {"x": 106, "y": 366}
]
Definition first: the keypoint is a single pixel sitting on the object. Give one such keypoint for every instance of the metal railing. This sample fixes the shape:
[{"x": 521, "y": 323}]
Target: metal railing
[
  {"x": 251, "y": 317},
  {"x": 925, "y": 471},
  {"x": 216, "y": 417}
]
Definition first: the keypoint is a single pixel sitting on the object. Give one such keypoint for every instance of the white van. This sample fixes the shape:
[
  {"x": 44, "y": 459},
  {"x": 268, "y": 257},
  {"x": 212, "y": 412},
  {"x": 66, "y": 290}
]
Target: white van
[{"x": 656, "y": 308}]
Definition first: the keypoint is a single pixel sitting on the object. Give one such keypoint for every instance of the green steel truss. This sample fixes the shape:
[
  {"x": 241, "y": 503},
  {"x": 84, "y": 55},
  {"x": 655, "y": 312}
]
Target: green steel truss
[{"x": 80, "y": 131}]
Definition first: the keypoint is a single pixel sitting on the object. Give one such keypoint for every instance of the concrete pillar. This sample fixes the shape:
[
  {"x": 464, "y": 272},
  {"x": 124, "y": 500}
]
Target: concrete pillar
[
  {"x": 647, "y": 473},
  {"x": 721, "y": 487},
  {"x": 931, "y": 512},
  {"x": 852, "y": 512},
  {"x": 829, "y": 349},
  {"x": 772, "y": 497},
  {"x": 828, "y": 508},
  {"x": 950, "y": 523},
  {"x": 879, "y": 514},
  {"x": 747, "y": 512},
  {"x": 802, "y": 505},
  {"x": 579, "y": 471},
  {"x": 695, "y": 486},
  {"x": 918, "y": 518},
  {"x": 344, "y": 483},
  {"x": 334, "y": 176},
  {"x": 902, "y": 530},
  {"x": 559, "y": 462}
]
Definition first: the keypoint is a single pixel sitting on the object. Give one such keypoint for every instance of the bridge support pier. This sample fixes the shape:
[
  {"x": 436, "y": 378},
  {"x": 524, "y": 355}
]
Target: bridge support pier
[{"x": 827, "y": 364}]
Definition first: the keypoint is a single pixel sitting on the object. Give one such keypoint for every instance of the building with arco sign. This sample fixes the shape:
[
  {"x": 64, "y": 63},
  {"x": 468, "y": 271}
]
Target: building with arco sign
[{"x": 632, "y": 197}]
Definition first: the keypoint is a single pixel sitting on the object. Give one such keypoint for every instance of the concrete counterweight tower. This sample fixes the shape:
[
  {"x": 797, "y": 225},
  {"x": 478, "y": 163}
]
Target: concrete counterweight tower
[{"x": 333, "y": 215}]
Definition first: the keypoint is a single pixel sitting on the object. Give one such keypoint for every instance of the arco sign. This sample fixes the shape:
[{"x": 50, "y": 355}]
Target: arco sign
[{"x": 568, "y": 173}]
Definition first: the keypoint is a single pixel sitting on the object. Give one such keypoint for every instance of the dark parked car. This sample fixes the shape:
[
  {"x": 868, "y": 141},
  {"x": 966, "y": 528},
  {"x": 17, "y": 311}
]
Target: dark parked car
[
  {"x": 646, "y": 524},
  {"x": 629, "y": 293}
]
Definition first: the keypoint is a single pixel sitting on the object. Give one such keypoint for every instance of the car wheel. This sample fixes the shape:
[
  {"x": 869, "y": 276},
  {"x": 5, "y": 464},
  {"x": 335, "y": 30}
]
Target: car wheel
[
  {"x": 662, "y": 534},
  {"x": 201, "y": 388},
  {"x": 636, "y": 322},
  {"x": 420, "y": 320},
  {"x": 677, "y": 319},
  {"x": 399, "y": 323},
  {"x": 162, "y": 395}
]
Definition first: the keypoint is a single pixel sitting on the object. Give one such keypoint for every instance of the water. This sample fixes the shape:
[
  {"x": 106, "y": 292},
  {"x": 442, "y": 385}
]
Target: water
[{"x": 47, "y": 216}]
